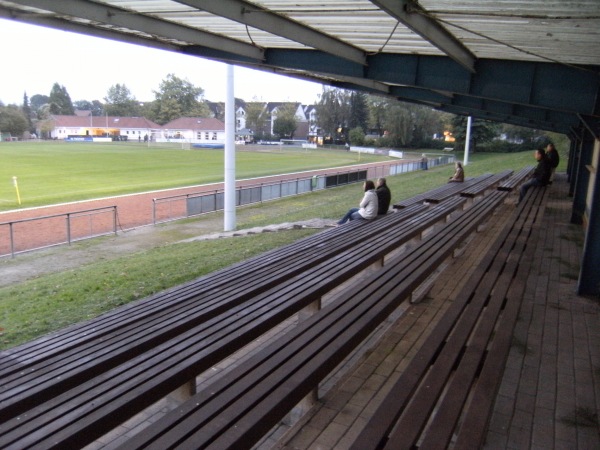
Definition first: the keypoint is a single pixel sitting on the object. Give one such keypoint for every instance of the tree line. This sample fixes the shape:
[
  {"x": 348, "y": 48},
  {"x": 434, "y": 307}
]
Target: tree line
[{"x": 343, "y": 116}]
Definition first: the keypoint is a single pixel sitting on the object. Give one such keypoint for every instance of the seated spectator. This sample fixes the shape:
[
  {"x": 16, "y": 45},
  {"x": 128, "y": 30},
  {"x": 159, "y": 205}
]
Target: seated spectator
[
  {"x": 540, "y": 176},
  {"x": 459, "y": 174},
  {"x": 553, "y": 159},
  {"x": 384, "y": 196},
  {"x": 367, "y": 208}
]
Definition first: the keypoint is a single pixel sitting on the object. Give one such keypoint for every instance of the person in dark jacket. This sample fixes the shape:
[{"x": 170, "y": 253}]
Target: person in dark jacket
[
  {"x": 553, "y": 159},
  {"x": 541, "y": 174},
  {"x": 384, "y": 196}
]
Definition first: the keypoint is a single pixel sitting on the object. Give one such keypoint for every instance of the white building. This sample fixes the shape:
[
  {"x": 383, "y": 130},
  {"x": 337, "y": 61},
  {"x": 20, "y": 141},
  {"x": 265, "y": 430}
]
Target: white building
[{"x": 199, "y": 131}]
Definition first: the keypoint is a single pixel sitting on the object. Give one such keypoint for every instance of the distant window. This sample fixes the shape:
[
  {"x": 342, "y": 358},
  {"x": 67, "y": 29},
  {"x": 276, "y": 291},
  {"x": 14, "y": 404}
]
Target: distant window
[
  {"x": 214, "y": 136},
  {"x": 206, "y": 136},
  {"x": 199, "y": 135}
]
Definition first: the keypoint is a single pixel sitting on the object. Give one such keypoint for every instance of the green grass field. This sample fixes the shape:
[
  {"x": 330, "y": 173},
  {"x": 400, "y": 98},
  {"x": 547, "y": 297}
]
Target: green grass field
[{"x": 57, "y": 172}]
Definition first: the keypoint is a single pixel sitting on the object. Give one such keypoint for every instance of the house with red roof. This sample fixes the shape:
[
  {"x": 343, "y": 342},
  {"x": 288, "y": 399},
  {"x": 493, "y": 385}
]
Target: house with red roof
[
  {"x": 199, "y": 131},
  {"x": 96, "y": 128}
]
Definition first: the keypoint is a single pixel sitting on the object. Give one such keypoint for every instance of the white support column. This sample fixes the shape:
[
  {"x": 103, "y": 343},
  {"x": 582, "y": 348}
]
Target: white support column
[
  {"x": 467, "y": 141},
  {"x": 229, "y": 200}
]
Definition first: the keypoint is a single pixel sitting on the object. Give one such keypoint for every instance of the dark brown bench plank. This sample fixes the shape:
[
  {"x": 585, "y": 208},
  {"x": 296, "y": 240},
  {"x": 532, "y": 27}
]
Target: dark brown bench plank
[
  {"x": 490, "y": 183},
  {"x": 457, "y": 188},
  {"x": 238, "y": 409},
  {"x": 408, "y": 406},
  {"x": 93, "y": 407},
  {"x": 515, "y": 180},
  {"x": 475, "y": 421},
  {"x": 420, "y": 198}
]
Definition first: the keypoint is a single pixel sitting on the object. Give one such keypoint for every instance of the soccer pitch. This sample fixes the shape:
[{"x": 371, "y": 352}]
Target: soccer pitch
[{"x": 56, "y": 172}]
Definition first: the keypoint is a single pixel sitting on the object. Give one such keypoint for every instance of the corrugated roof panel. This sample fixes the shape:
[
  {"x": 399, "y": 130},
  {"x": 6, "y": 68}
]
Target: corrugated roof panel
[
  {"x": 558, "y": 30},
  {"x": 564, "y": 31}
]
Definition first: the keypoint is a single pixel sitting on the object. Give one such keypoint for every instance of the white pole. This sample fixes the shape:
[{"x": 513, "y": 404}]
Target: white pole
[
  {"x": 229, "y": 201},
  {"x": 467, "y": 142}
]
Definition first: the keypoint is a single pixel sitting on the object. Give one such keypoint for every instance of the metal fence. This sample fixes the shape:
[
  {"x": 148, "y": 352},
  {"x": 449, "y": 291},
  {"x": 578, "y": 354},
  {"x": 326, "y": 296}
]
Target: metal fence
[
  {"x": 45, "y": 231},
  {"x": 177, "y": 207}
]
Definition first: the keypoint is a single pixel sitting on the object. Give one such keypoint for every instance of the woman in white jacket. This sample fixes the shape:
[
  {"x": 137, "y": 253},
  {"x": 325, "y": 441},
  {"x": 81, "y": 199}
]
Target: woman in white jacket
[{"x": 368, "y": 205}]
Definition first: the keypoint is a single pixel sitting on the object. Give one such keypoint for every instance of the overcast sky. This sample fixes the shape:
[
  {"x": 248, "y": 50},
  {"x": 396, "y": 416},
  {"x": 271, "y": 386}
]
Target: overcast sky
[{"x": 34, "y": 58}]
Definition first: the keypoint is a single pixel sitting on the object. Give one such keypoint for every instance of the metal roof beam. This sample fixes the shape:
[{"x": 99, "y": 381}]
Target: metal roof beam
[
  {"x": 547, "y": 85},
  {"x": 492, "y": 110},
  {"x": 510, "y": 109},
  {"x": 130, "y": 20},
  {"x": 88, "y": 30},
  {"x": 411, "y": 14},
  {"x": 256, "y": 16},
  {"x": 513, "y": 120}
]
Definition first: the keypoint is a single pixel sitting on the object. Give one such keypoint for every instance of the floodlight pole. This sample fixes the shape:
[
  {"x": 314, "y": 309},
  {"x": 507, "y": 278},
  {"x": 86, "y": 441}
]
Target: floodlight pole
[{"x": 229, "y": 200}]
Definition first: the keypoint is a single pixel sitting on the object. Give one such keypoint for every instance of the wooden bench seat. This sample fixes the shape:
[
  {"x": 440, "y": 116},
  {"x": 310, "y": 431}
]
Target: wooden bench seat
[
  {"x": 515, "y": 180},
  {"x": 420, "y": 198},
  {"x": 456, "y": 188},
  {"x": 489, "y": 183},
  {"x": 238, "y": 409},
  {"x": 89, "y": 405},
  {"x": 446, "y": 393},
  {"x": 52, "y": 364},
  {"x": 445, "y": 191}
]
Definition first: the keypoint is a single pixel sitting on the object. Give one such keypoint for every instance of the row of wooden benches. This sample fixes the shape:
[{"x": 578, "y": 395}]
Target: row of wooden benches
[
  {"x": 73, "y": 386},
  {"x": 69, "y": 388},
  {"x": 446, "y": 393},
  {"x": 238, "y": 409},
  {"x": 472, "y": 187}
]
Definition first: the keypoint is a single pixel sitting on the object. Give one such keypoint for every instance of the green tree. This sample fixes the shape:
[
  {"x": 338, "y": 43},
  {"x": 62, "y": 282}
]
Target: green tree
[
  {"x": 147, "y": 111},
  {"x": 27, "y": 112},
  {"x": 481, "y": 131},
  {"x": 12, "y": 120},
  {"x": 256, "y": 117},
  {"x": 428, "y": 122},
  {"x": 357, "y": 136},
  {"x": 285, "y": 123},
  {"x": 528, "y": 137},
  {"x": 359, "y": 111},
  {"x": 333, "y": 112},
  {"x": 377, "y": 106},
  {"x": 37, "y": 101},
  {"x": 119, "y": 101},
  {"x": 60, "y": 101},
  {"x": 399, "y": 123},
  {"x": 95, "y": 106},
  {"x": 178, "y": 98},
  {"x": 82, "y": 105}
]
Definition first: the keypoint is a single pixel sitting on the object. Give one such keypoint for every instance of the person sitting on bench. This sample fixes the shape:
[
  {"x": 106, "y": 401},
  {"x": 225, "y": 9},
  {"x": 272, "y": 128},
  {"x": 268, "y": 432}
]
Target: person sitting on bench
[
  {"x": 553, "y": 160},
  {"x": 384, "y": 196},
  {"x": 459, "y": 174},
  {"x": 368, "y": 205},
  {"x": 540, "y": 176}
]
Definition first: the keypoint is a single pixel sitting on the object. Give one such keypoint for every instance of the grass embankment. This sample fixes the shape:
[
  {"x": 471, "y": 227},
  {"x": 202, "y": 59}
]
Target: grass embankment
[{"x": 51, "y": 302}]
